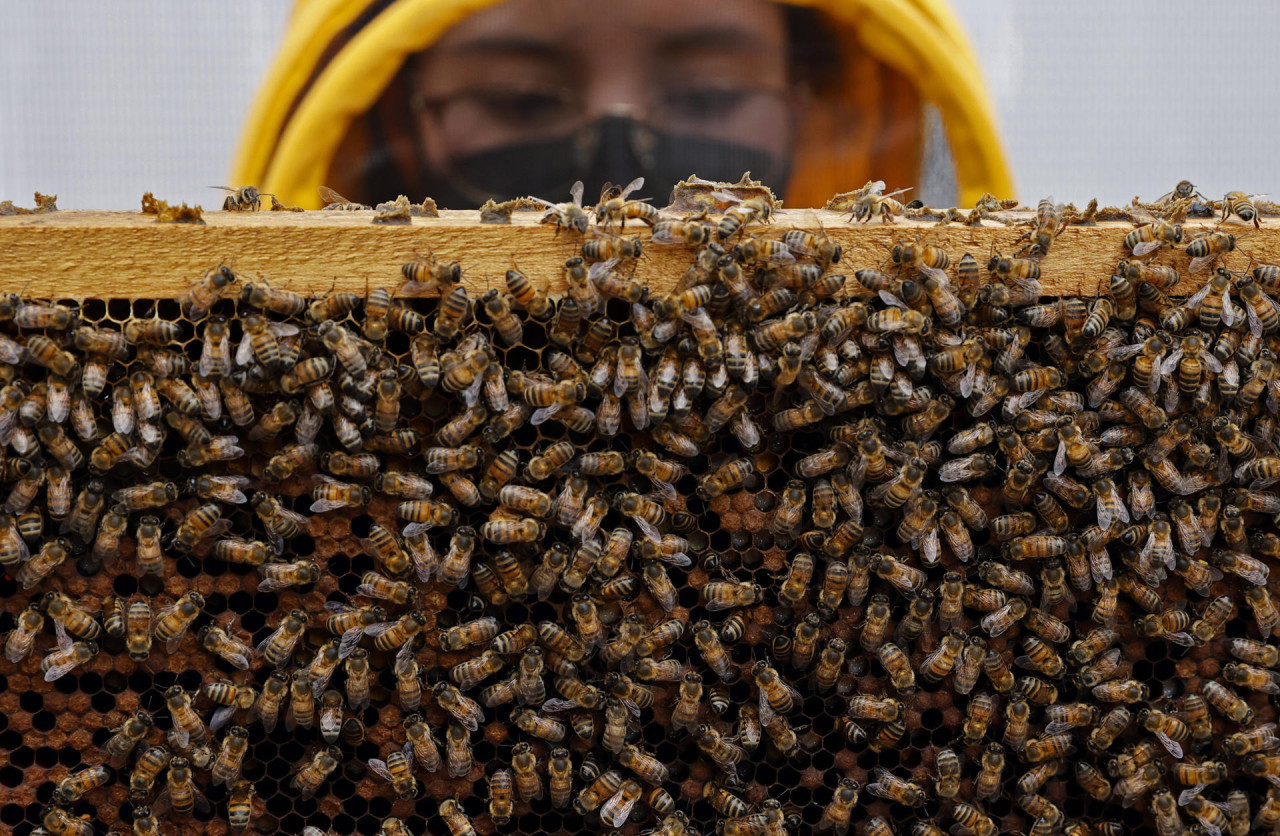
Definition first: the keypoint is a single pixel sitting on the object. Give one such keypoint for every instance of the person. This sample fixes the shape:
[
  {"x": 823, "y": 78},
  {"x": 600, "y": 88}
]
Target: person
[{"x": 467, "y": 101}]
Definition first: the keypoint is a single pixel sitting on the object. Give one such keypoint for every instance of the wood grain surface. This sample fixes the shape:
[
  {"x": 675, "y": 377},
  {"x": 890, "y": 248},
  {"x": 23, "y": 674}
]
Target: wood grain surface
[{"x": 79, "y": 254}]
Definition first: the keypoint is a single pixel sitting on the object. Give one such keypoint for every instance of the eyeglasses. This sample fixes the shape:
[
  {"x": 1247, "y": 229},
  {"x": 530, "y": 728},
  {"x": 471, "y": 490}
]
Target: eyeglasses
[{"x": 514, "y": 111}]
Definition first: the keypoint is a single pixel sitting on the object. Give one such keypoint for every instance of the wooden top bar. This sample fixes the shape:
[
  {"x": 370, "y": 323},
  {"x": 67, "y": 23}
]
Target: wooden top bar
[{"x": 82, "y": 254}]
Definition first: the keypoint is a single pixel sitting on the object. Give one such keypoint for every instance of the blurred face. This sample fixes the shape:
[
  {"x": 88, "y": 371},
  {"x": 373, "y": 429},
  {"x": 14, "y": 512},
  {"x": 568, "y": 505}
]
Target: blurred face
[{"x": 665, "y": 79}]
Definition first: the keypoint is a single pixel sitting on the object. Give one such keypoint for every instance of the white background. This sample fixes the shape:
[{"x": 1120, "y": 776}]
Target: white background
[{"x": 100, "y": 101}]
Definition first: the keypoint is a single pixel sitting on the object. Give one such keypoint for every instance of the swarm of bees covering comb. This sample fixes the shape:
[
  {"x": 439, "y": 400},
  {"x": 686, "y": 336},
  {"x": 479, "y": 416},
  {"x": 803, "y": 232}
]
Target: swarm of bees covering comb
[{"x": 801, "y": 546}]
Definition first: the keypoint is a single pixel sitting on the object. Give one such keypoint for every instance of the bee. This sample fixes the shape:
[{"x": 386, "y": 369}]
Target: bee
[
  {"x": 356, "y": 667},
  {"x": 58, "y": 822},
  {"x": 277, "y": 648},
  {"x": 1211, "y": 818},
  {"x": 421, "y": 743},
  {"x": 213, "y": 638},
  {"x": 1252, "y": 678},
  {"x": 723, "y": 595},
  {"x": 887, "y": 785},
  {"x": 1121, "y": 690},
  {"x": 1151, "y": 237},
  {"x": 281, "y": 575},
  {"x": 455, "y": 819},
  {"x": 240, "y": 805},
  {"x": 898, "y": 666},
  {"x": 1213, "y": 618},
  {"x": 684, "y": 715},
  {"x": 815, "y": 245},
  {"x": 173, "y": 622},
  {"x": 186, "y": 722},
  {"x": 529, "y": 685},
  {"x": 302, "y": 706},
  {"x": 987, "y": 783},
  {"x": 1017, "y": 716},
  {"x": 330, "y": 715},
  {"x": 399, "y": 635},
  {"x": 21, "y": 640},
  {"x": 997, "y": 622},
  {"x": 42, "y": 564},
  {"x": 396, "y": 770},
  {"x": 872, "y": 202},
  {"x": 836, "y": 815},
  {"x": 322, "y": 764},
  {"x": 226, "y": 769},
  {"x": 775, "y": 694},
  {"x": 79, "y": 784},
  {"x": 539, "y": 726},
  {"x": 148, "y": 767},
  {"x": 1205, "y": 248},
  {"x": 741, "y": 213},
  {"x": 469, "y": 633},
  {"x": 463, "y": 709}
]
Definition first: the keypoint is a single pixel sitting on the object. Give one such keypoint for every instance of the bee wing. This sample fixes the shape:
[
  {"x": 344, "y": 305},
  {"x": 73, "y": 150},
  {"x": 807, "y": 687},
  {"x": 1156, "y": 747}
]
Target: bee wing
[
  {"x": 219, "y": 528},
  {"x": 322, "y": 505},
  {"x": 880, "y": 790},
  {"x": 1191, "y": 792},
  {"x": 1144, "y": 247},
  {"x": 423, "y": 566},
  {"x": 934, "y": 273},
  {"x": 162, "y": 803},
  {"x": 60, "y": 631},
  {"x": 600, "y": 268},
  {"x": 575, "y": 192},
  {"x": 1124, "y": 352},
  {"x": 244, "y": 351},
  {"x": 272, "y": 584},
  {"x": 635, "y": 184},
  {"x": 555, "y": 706},
  {"x": 283, "y": 329},
  {"x": 208, "y": 358},
  {"x": 238, "y": 660},
  {"x": 350, "y": 640},
  {"x": 1211, "y": 828},
  {"x": 405, "y": 652},
  {"x": 471, "y": 395},
  {"x": 966, "y": 381},
  {"x": 623, "y": 810},
  {"x": 58, "y": 671},
  {"x": 892, "y": 300},
  {"x": 466, "y": 719},
  {"x": 320, "y": 683},
  {"x": 1172, "y": 746},
  {"x": 175, "y": 642},
  {"x": 1229, "y": 316},
  {"x": 540, "y": 416},
  {"x": 1026, "y": 662},
  {"x": 648, "y": 529},
  {"x": 1060, "y": 459},
  {"x": 262, "y": 644},
  {"x": 222, "y": 716},
  {"x": 664, "y": 490},
  {"x": 1199, "y": 265},
  {"x": 993, "y": 626},
  {"x": 678, "y": 559},
  {"x": 379, "y": 768}
]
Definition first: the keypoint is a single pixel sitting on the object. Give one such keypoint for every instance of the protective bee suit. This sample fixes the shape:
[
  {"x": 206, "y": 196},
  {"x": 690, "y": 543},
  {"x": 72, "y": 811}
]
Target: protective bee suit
[{"x": 895, "y": 94}]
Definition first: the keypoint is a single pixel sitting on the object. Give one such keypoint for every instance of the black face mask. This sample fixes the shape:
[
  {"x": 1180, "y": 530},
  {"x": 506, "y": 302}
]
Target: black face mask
[{"x": 614, "y": 149}]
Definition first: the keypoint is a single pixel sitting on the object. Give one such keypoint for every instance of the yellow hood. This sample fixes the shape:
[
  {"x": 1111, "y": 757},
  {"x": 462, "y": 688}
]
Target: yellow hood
[{"x": 340, "y": 56}]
